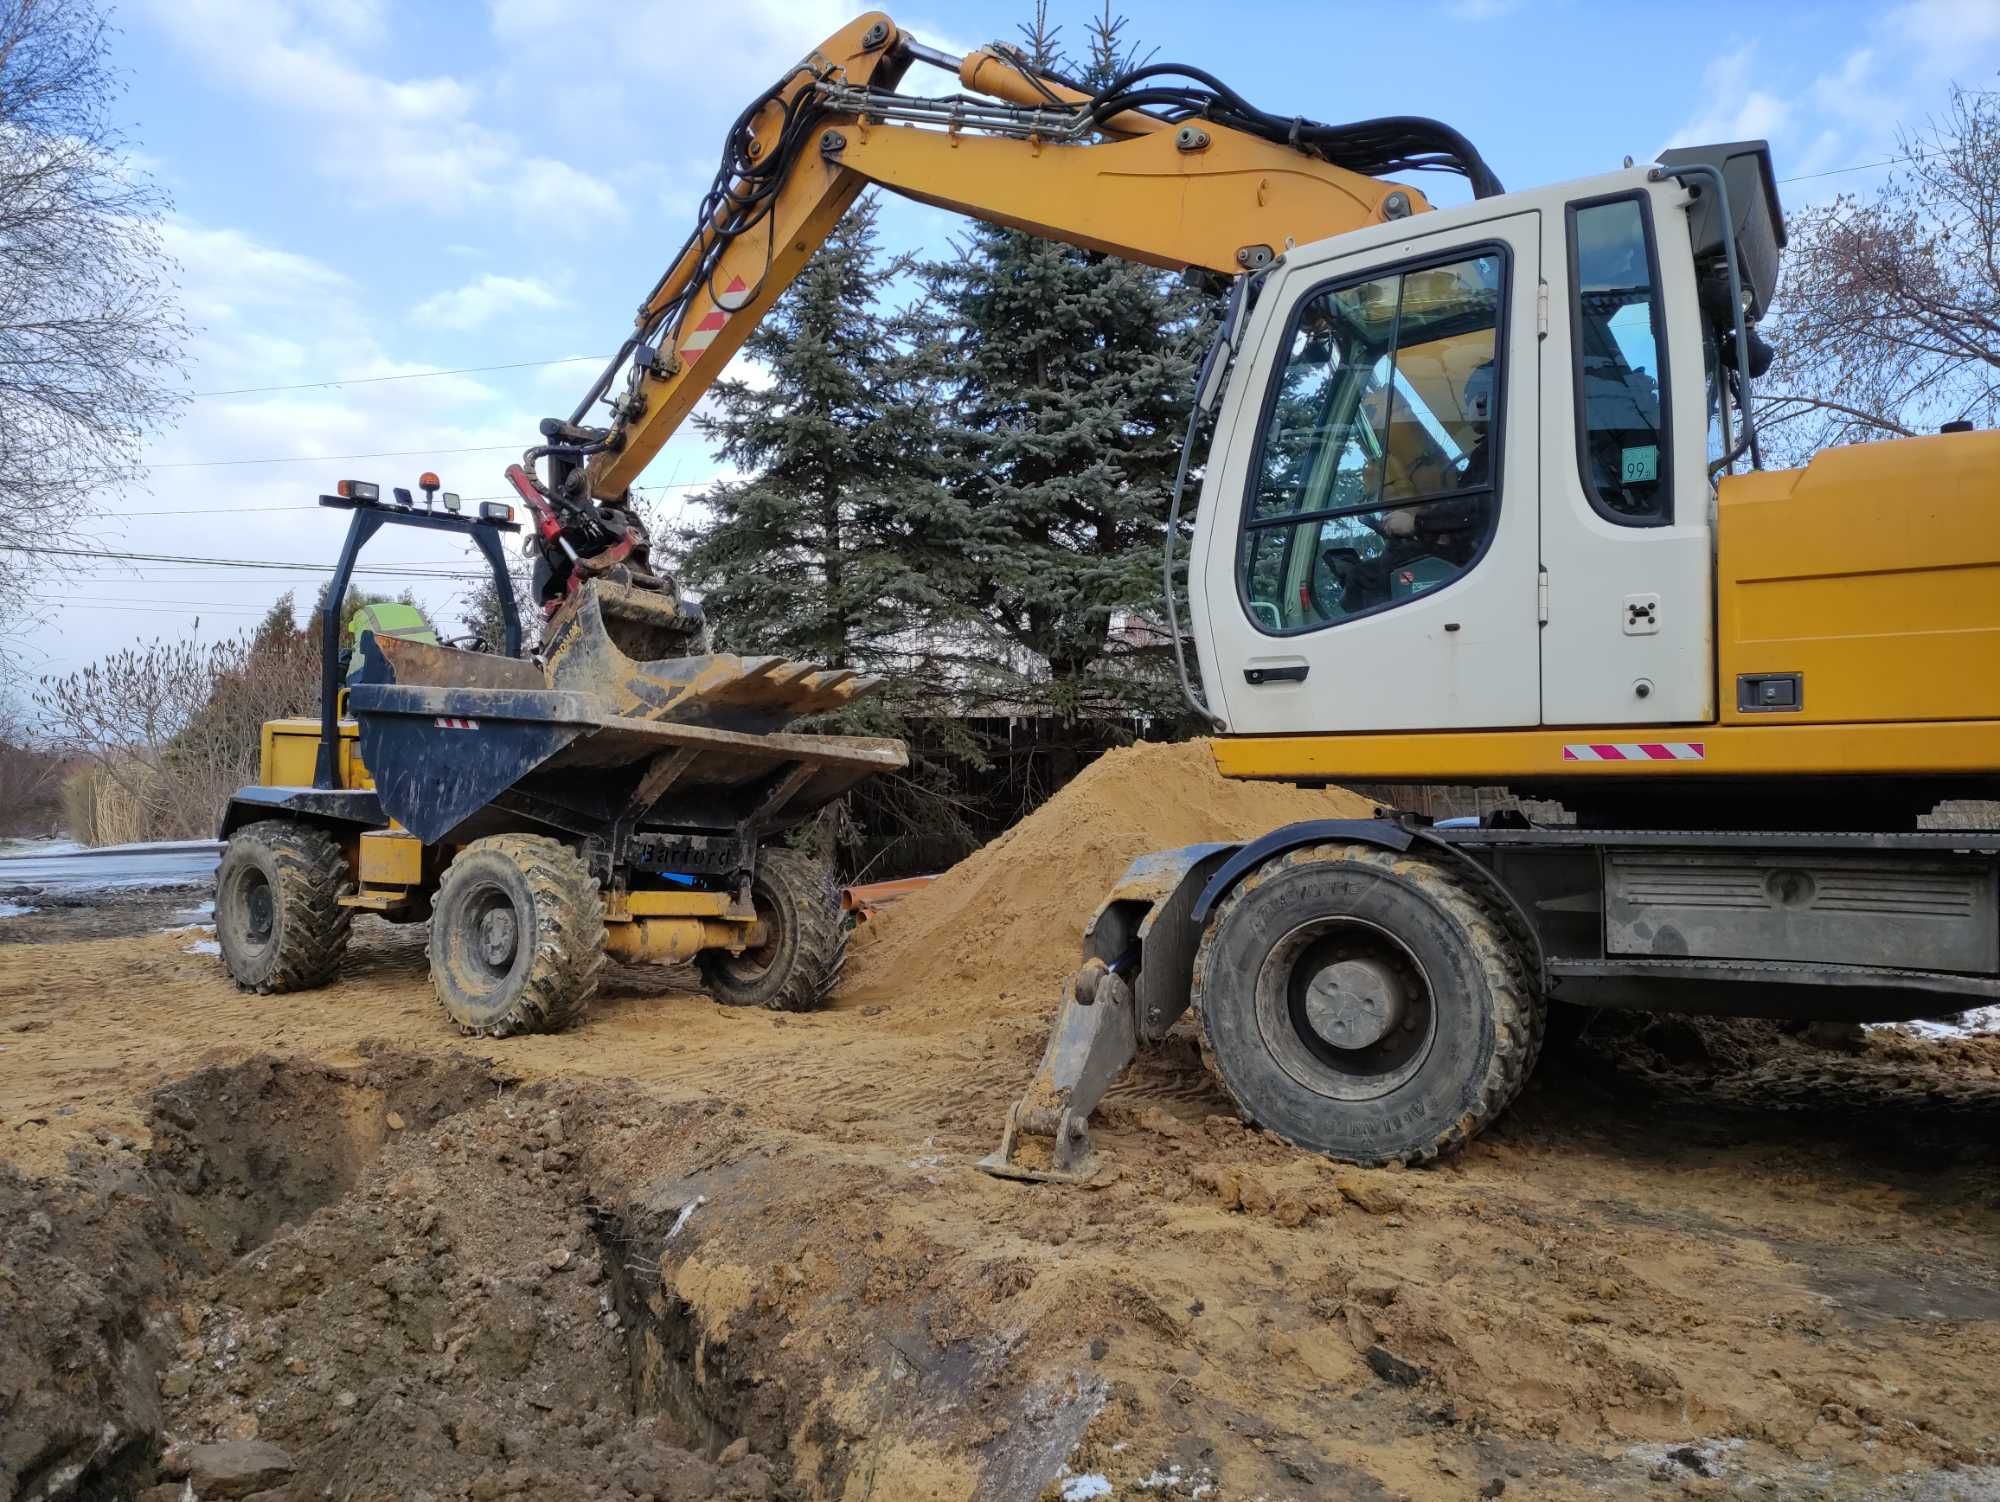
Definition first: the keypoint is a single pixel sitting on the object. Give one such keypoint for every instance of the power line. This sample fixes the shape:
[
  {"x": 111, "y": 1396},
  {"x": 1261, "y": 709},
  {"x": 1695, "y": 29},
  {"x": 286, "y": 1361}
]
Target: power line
[
  {"x": 392, "y": 570},
  {"x": 1806, "y": 177},
  {"x": 206, "y": 610},
  {"x": 253, "y": 510},
  {"x": 488, "y": 448},
  {"x": 410, "y": 375},
  {"x": 126, "y": 601}
]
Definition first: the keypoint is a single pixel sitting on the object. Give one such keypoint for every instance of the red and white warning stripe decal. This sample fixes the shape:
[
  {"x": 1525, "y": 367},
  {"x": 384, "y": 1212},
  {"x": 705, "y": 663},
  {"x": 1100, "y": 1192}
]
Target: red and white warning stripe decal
[
  {"x": 445, "y": 722},
  {"x": 1636, "y": 751},
  {"x": 727, "y": 301}
]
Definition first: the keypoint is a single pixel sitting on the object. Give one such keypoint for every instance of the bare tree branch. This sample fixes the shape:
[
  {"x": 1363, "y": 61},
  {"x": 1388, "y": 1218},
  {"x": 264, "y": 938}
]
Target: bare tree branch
[
  {"x": 1890, "y": 308},
  {"x": 90, "y": 325}
]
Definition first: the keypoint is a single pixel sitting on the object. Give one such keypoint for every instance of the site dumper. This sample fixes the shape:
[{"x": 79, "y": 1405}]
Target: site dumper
[{"x": 545, "y": 812}]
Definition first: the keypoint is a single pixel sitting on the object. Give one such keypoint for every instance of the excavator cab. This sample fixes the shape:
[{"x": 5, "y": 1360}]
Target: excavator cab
[{"x": 1384, "y": 487}]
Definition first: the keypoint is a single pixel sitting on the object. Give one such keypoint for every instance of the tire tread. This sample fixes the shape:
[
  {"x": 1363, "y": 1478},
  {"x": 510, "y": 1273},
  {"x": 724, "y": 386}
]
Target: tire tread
[
  {"x": 569, "y": 956},
  {"x": 310, "y": 875},
  {"x": 1498, "y": 949},
  {"x": 819, "y": 948}
]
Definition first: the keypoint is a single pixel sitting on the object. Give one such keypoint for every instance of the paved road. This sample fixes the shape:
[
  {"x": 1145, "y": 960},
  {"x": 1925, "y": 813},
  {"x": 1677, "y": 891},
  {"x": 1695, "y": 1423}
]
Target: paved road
[{"x": 166, "y": 863}]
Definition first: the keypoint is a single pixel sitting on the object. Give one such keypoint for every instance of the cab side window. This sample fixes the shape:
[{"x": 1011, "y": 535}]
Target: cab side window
[
  {"x": 1620, "y": 338},
  {"x": 1375, "y": 480}
]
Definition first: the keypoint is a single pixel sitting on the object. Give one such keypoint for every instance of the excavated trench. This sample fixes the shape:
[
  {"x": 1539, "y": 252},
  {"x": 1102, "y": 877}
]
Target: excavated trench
[{"x": 396, "y": 1279}]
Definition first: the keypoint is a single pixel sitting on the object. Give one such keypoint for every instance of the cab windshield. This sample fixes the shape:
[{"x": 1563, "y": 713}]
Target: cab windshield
[{"x": 1375, "y": 482}]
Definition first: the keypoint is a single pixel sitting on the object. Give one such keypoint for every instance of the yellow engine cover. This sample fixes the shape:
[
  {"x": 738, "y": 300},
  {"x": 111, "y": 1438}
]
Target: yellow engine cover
[
  {"x": 1874, "y": 573},
  {"x": 291, "y": 753}
]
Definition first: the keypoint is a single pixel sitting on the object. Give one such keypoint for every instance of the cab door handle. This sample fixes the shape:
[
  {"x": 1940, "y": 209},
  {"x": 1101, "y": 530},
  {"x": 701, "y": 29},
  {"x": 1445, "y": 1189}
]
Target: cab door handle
[{"x": 1289, "y": 672}]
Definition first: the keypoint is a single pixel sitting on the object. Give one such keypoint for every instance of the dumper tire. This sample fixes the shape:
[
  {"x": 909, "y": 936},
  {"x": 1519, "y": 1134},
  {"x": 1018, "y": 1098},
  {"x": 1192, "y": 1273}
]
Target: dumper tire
[
  {"x": 1470, "y": 1016},
  {"x": 797, "y": 897},
  {"x": 517, "y": 937},
  {"x": 278, "y": 918}
]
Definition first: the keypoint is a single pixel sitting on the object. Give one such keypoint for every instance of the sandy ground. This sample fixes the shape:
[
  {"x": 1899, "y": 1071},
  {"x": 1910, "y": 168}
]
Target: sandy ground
[{"x": 1617, "y": 1292}]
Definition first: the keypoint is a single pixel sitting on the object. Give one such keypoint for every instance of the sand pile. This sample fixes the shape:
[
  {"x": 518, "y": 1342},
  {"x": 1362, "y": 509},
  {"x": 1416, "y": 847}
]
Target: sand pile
[{"x": 1005, "y": 923}]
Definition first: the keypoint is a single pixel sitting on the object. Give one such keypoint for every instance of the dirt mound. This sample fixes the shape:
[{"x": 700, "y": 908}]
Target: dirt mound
[{"x": 1004, "y": 923}]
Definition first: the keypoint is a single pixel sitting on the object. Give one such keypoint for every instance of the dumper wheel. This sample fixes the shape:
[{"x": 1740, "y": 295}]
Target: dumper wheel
[
  {"x": 805, "y": 944},
  {"x": 517, "y": 936},
  {"x": 278, "y": 917},
  {"x": 1366, "y": 1005}
]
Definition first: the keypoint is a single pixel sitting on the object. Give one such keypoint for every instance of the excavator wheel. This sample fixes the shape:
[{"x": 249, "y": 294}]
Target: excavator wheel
[
  {"x": 517, "y": 936},
  {"x": 806, "y": 944},
  {"x": 1366, "y": 1005},
  {"x": 278, "y": 917}
]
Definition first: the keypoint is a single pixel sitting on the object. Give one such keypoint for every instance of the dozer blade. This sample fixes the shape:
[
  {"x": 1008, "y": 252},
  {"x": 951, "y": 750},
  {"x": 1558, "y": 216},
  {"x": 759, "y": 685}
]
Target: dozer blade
[
  {"x": 1095, "y": 1038},
  {"x": 585, "y": 653}
]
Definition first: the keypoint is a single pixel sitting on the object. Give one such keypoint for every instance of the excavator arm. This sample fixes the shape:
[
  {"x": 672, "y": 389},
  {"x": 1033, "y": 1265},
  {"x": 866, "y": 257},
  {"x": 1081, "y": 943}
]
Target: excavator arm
[{"x": 1175, "y": 177}]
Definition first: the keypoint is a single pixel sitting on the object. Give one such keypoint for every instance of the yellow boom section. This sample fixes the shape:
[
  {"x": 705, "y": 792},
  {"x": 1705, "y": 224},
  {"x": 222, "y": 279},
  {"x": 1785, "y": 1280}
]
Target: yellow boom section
[{"x": 1195, "y": 195}]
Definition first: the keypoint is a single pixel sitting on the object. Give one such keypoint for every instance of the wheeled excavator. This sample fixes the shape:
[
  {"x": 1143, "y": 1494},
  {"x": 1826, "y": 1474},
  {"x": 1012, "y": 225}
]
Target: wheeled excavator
[{"x": 1484, "y": 504}]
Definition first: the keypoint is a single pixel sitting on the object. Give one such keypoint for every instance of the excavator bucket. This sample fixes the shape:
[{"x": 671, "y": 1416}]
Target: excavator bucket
[
  {"x": 1132, "y": 987},
  {"x": 448, "y": 735},
  {"x": 644, "y": 624},
  {"x": 587, "y": 649}
]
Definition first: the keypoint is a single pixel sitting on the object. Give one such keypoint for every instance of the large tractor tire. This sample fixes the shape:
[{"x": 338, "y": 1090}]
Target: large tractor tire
[
  {"x": 517, "y": 936},
  {"x": 278, "y": 917},
  {"x": 1366, "y": 1005},
  {"x": 805, "y": 945}
]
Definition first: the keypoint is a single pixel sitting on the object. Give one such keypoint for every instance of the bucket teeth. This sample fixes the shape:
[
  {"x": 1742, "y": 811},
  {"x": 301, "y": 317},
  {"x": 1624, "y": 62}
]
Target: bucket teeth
[{"x": 755, "y": 695}]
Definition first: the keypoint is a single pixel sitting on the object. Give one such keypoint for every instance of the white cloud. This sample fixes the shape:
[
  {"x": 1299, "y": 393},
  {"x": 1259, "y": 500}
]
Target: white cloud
[
  {"x": 1733, "y": 110},
  {"x": 386, "y": 140},
  {"x": 721, "y": 51},
  {"x": 1833, "y": 131},
  {"x": 273, "y": 318},
  {"x": 224, "y": 270},
  {"x": 1944, "y": 30},
  {"x": 352, "y": 20},
  {"x": 480, "y": 301}
]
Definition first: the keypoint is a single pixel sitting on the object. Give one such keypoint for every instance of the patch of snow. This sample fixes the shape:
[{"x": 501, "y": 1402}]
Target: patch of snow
[
  {"x": 1173, "y": 1483},
  {"x": 1965, "y": 1025},
  {"x": 39, "y": 847},
  {"x": 15, "y": 910},
  {"x": 1676, "y": 1462},
  {"x": 1084, "y": 1488},
  {"x": 203, "y": 946},
  {"x": 687, "y": 1213}
]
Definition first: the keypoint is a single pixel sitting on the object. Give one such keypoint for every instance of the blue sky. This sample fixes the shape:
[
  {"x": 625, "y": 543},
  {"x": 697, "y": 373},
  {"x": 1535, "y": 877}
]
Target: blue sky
[{"x": 365, "y": 188}]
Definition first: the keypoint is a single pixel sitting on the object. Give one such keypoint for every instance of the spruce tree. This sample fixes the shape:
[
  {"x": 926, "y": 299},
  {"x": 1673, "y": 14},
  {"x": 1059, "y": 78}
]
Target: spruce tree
[
  {"x": 1071, "y": 374},
  {"x": 835, "y": 547},
  {"x": 839, "y": 546}
]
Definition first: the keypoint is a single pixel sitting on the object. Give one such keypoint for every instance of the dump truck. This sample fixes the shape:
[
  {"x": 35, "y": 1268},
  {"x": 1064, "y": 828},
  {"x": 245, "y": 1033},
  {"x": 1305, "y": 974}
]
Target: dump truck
[
  {"x": 543, "y": 812},
  {"x": 1484, "y": 504}
]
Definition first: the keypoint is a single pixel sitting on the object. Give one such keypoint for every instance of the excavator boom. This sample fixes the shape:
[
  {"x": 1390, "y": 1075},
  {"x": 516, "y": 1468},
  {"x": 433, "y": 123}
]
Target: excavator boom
[{"x": 1224, "y": 190}]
